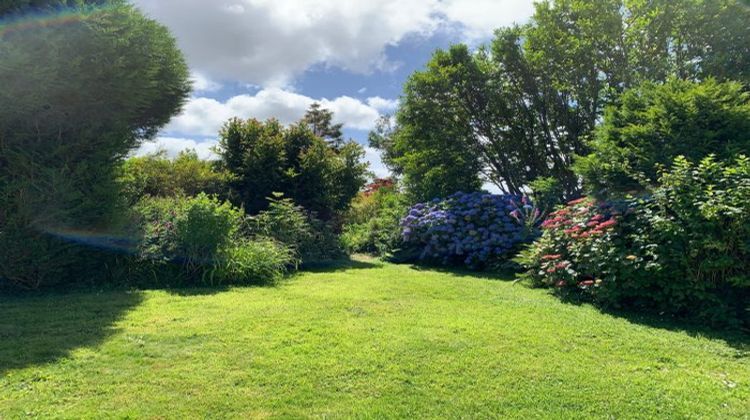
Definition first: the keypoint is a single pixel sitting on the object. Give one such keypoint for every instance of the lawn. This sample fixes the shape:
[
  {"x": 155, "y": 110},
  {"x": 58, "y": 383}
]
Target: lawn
[{"x": 362, "y": 340}]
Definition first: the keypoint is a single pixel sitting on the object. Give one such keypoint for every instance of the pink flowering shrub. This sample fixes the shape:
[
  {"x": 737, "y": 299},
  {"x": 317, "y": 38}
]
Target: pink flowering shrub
[
  {"x": 583, "y": 249},
  {"x": 683, "y": 249}
]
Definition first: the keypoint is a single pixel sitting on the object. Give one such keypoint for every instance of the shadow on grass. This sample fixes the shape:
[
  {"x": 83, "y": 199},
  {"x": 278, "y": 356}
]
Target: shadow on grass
[
  {"x": 332, "y": 266},
  {"x": 735, "y": 337},
  {"x": 499, "y": 275},
  {"x": 40, "y": 329}
]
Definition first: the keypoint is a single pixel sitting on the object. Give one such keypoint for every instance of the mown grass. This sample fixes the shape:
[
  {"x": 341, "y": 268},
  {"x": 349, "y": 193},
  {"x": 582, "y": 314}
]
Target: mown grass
[{"x": 369, "y": 340}]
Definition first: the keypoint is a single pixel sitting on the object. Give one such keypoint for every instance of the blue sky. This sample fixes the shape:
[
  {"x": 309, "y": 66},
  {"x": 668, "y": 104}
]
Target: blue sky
[{"x": 272, "y": 58}]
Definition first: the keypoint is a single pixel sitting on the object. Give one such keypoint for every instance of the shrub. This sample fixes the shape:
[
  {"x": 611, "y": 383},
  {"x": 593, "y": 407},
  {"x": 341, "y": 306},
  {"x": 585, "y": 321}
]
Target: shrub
[
  {"x": 653, "y": 124},
  {"x": 476, "y": 230},
  {"x": 683, "y": 250},
  {"x": 699, "y": 217},
  {"x": 159, "y": 176},
  {"x": 580, "y": 247},
  {"x": 373, "y": 224},
  {"x": 311, "y": 239},
  {"x": 252, "y": 262},
  {"x": 190, "y": 231},
  {"x": 66, "y": 122},
  {"x": 202, "y": 240},
  {"x": 547, "y": 192}
]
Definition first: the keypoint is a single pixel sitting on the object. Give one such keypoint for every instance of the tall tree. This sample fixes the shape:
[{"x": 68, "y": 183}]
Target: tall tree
[
  {"x": 265, "y": 158},
  {"x": 524, "y": 106},
  {"x": 320, "y": 121},
  {"x": 77, "y": 97},
  {"x": 431, "y": 145},
  {"x": 23, "y": 7}
]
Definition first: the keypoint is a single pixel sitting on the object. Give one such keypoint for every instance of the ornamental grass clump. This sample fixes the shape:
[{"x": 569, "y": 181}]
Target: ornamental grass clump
[{"x": 476, "y": 230}]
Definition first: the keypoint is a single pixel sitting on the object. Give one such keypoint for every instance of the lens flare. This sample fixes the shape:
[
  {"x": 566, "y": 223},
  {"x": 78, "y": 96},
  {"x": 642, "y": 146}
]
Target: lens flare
[
  {"x": 106, "y": 241},
  {"x": 16, "y": 24}
]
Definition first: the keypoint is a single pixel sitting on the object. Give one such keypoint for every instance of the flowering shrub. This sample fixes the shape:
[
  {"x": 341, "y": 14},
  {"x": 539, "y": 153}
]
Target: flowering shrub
[
  {"x": 683, "y": 250},
  {"x": 582, "y": 245},
  {"x": 475, "y": 230}
]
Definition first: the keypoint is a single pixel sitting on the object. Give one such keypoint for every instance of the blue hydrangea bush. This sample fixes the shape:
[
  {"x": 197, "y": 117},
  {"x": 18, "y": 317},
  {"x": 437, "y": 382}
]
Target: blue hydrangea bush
[{"x": 477, "y": 230}]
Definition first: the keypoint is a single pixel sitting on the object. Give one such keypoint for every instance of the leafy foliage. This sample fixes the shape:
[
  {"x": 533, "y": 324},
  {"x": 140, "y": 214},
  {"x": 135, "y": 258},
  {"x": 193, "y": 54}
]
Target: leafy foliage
[
  {"x": 522, "y": 108},
  {"x": 189, "y": 231},
  {"x": 265, "y": 157},
  {"x": 83, "y": 95},
  {"x": 653, "y": 124},
  {"x": 580, "y": 247},
  {"x": 547, "y": 193},
  {"x": 476, "y": 230},
  {"x": 200, "y": 240},
  {"x": 159, "y": 176},
  {"x": 700, "y": 218},
  {"x": 254, "y": 261},
  {"x": 430, "y": 142},
  {"x": 685, "y": 250},
  {"x": 373, "y": 224},
  {"x": 311, "y": 239}
]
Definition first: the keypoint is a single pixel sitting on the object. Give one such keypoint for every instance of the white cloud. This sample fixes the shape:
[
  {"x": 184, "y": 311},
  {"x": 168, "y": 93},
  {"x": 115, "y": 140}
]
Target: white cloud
[
  {"x": 205, "y": 116},
  {"x": 269, "y": 42},
  {"x": 372, "y": 156},
  {"x": 383, "y": 105},
  {"x": 479, "y": 18},
  {"x": 202, "y": 83},
  {"x": 173, "y": 146}
]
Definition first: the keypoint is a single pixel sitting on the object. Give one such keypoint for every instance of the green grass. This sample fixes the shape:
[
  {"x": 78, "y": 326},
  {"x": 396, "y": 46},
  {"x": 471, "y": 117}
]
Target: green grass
[{"x": 364, "y": 341}]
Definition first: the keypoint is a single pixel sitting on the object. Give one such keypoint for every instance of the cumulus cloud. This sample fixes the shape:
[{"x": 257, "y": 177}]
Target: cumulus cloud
[
  {"x": 373, "y": 157},
  {"x": 172, "y": 146},
  {"x": 204, "y": 116},
  {"x": 383, "y": 105},
  {"x": 269, "y": 42},
  {"x": 202, "y": 83},
  {"x": 479, "y": 18}
]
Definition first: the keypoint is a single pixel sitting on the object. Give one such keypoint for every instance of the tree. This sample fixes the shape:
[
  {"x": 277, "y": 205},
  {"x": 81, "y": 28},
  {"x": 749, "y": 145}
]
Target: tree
[
  {"x": 267, "y": 158},
  {"x": 654, "y": 124},
  {"x": 320, "y": 121},
  {"x": 21, "y": 7},
  {"x": 523, "y": 107},
  {"x": 430, "y": 144},
  {"x": 76, "y": 99}
]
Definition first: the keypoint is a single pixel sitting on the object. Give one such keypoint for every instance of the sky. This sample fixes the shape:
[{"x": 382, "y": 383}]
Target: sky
[{"x": 273, "y": 58}]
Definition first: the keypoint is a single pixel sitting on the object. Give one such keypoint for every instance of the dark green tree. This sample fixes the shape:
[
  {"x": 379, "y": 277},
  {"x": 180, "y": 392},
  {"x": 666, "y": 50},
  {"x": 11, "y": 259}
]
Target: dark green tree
[
  {"x": 266, "y": 158},
  {"x": 523, "y": 107},
  {"x": 430, "y": 143},
  {"x": 76, "y": 99},
  {"x": 653, "y": 124},
  {"x": 320, "y": 121}
]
